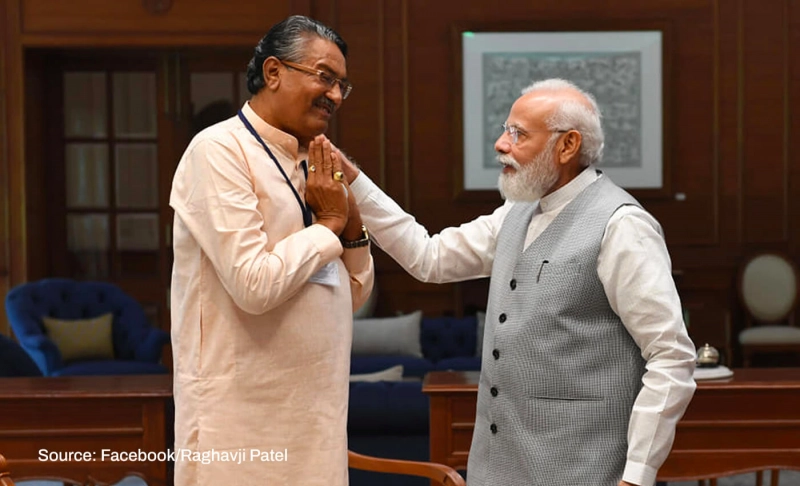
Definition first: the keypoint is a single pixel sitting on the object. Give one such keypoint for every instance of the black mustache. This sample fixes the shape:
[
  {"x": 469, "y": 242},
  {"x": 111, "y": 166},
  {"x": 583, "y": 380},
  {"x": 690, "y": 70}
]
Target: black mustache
[{"x": 327, "y": 103}]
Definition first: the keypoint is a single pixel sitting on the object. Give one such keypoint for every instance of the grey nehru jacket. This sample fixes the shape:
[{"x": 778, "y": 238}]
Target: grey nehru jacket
[{"x": 560, "y": 372}]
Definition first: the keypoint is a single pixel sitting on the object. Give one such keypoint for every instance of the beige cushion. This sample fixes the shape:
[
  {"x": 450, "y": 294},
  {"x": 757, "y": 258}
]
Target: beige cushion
[
  {"x": 770, "y": 335},
  {"x": 388, "y": 336},
  {"x": 395, "y": 373},
  {"x": 81, "y": 339}
]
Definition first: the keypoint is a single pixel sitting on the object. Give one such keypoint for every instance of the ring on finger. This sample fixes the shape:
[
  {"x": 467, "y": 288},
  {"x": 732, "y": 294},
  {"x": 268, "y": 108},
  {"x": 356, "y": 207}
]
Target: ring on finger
[
  {"x": 312, "y": 168},
  {"x": 338, "y": 175}
]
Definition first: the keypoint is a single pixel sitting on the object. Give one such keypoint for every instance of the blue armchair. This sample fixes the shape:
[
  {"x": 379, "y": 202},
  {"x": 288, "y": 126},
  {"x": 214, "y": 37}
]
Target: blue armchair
[{"x": 137, "y": 345}]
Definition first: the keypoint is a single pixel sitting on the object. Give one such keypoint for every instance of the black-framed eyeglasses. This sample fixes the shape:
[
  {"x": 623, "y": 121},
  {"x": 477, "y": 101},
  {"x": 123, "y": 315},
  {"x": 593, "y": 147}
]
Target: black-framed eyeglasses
[
  {"x": 344, "y": 86},
  {"x": 515, "y": 131}
]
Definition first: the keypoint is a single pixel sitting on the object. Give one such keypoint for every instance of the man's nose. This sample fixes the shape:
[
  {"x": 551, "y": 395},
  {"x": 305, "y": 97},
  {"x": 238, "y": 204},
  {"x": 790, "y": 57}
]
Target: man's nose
[
  {"x": 503, "y": 144},
  {"x": 335, "y": 95}
]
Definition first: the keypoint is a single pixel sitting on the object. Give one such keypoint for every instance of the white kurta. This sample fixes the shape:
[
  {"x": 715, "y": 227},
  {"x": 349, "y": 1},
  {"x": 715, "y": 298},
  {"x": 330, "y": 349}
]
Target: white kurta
[{"x": 261, "y": 354}]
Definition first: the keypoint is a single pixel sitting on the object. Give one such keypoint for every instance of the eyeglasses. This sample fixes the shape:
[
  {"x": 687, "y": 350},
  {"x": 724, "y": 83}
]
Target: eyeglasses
[
  {"x": 515, "y": 132},
  {"x": 329, "y": 80}
]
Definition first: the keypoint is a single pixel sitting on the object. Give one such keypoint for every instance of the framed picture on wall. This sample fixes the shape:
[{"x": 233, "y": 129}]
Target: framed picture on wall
[{"x": 622, "y": 69}]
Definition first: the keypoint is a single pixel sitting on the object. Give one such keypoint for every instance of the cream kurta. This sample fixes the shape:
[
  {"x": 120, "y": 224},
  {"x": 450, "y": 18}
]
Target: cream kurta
[{"x": 262, "y": 356}]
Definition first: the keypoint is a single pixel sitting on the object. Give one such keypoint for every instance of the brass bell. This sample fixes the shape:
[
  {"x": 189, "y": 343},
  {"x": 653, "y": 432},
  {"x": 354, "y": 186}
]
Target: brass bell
[{"x": 707, "y": 357}]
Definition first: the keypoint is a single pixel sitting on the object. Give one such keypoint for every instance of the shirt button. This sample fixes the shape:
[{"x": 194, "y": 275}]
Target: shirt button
[
  {"x": 493, "y": 391},
  {"x": 493, "y": 428},
  {"x": 513, "y": 284},
  {"x": 496, "y": 354},
  {"x": 502, "y": 318}
]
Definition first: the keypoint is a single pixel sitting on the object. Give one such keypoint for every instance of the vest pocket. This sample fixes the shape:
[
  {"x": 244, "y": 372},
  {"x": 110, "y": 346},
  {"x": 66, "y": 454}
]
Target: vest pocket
[
  {"x": 583, "y": 398},
  {"x": 550, "y": 271}
]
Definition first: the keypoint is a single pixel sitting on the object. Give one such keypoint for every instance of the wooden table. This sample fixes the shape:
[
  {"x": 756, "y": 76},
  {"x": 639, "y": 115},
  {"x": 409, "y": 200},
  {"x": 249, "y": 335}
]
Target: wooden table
[
  {"x": 745, "y": 423},
  {"x": 84, "y": 415}
]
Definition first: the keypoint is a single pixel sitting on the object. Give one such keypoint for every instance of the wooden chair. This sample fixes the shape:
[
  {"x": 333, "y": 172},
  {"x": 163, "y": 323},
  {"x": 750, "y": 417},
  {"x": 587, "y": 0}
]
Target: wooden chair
[
  {"x": 443, "y": 475},
  {"x": 769, "y": 288},
  {"x": 769, "y": 291},
  {"x": 5, "y": 476}
]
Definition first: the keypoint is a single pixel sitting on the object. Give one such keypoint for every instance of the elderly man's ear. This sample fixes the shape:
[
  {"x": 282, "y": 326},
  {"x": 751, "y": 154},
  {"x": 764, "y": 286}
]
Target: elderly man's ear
[{"x": 569, "y": 147}]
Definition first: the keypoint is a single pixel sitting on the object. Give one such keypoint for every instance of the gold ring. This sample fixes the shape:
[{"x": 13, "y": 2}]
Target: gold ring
[
  {"x": 338, "y": 175},
  {"x": 313, "y": 168}
]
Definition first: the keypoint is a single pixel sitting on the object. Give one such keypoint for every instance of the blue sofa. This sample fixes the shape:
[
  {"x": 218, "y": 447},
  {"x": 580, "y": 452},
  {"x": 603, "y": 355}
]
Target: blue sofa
[
  {"x": 135, "y": 343},
  {"x": 390, "y": 418}
]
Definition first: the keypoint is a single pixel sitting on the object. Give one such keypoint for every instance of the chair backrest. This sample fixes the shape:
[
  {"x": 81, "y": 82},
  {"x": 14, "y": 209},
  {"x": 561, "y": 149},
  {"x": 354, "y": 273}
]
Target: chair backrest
[
  {"x": 768, "y": 288},
  {"x": 5, "y": 476}
]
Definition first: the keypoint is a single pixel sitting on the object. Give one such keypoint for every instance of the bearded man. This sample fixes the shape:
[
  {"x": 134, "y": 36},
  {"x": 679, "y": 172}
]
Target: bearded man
[{"x": 587, "y": 365}]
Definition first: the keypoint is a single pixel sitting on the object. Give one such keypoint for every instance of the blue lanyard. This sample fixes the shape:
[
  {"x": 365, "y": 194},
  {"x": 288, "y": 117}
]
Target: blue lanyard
[{"x": 303, "y": 206}]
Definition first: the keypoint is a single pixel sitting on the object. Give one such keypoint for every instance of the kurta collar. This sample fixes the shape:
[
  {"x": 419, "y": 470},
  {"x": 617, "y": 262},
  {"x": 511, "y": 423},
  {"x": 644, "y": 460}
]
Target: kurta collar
[
  {"x": 276, "y": 138},
  {"x": 564, "y": 195}
]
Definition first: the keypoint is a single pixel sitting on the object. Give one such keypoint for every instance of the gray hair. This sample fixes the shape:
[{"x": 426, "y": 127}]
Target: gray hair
[
  {"x": 286, "y": 41},
  {"x": 573, "y": 115}
]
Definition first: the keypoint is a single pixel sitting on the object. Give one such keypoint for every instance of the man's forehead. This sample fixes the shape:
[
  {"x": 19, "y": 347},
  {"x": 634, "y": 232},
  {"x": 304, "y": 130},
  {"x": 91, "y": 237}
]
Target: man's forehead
[
  {"x": 531, "y": 108},
  {"x": 323, "y": 53}
]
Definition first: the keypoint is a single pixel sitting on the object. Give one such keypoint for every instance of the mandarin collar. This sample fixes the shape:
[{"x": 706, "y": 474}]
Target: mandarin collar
[
  {"x": 564, "y": 195},
  {"x": 278, "y": 139}
]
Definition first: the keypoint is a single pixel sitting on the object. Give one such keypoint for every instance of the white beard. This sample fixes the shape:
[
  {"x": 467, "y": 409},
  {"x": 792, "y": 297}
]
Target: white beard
[{"x": 530, "y": 181}]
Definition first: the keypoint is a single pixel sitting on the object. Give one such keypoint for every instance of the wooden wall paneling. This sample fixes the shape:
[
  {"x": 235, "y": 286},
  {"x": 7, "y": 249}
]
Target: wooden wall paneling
[
  {"x": 37, "y": 112},
  {"x": 206, "y": 17},
  {"x": 4, "y": 161},
  {"x": 361, "y": 120},
  {"x": 765, "y": 164},
  {"x": 15, "y": 171},
  {"x": 729, "y": 89},
  {"x": 689, "y": 154},
  {"x": 375, "y": 128},
  {"x": 793, "y": 104}
]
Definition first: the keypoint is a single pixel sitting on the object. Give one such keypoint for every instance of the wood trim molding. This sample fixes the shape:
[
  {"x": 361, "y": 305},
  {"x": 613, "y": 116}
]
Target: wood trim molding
[
  {"x": 15, "y": 113},
  {"x": 406, "y": 108},
  {"x": 787, "y": 66}
]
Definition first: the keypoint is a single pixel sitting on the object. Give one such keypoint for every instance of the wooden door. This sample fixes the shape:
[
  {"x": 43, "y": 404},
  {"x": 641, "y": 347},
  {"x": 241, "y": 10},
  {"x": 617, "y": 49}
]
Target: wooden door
[
  {"x": 107, "y": 129},
  {"x": 107, "y": 161}
]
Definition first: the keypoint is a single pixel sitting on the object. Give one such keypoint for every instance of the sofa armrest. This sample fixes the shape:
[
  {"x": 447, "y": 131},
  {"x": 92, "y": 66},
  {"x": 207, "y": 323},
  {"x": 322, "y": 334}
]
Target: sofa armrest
[
  {"x": 150, "y": 348},
  {"x": 44, "y": 353}
]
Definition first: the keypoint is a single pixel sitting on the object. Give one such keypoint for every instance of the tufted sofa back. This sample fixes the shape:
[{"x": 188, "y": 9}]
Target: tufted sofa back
[{"x": 448, "y": 337}]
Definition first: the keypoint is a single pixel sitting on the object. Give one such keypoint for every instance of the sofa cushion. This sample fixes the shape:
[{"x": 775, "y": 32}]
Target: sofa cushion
[
  {"x": 388, "y": 336},
  {"x": 448, "y": 337},
  {"x": 80, "y": 339},
  {"x": 395, "y": 373},
  {"x": 461, "y": 363},
  {"x": 387, "y": 407},
  {"x": 371, "y": 364}
]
